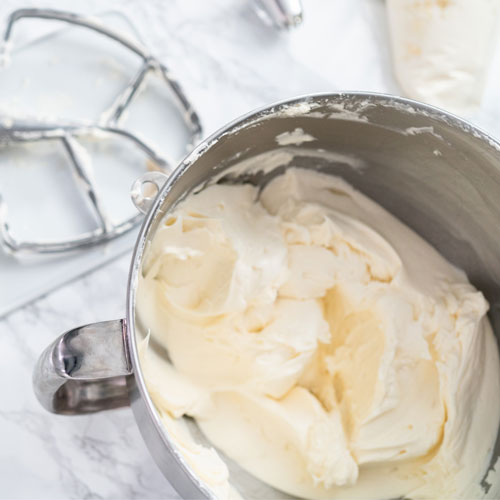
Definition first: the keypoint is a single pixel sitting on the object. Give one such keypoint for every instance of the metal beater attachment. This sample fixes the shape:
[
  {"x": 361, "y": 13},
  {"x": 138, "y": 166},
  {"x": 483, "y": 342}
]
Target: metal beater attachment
[
  {"x": 281, "y": 14},
  {"x": 16, "y": 131}
]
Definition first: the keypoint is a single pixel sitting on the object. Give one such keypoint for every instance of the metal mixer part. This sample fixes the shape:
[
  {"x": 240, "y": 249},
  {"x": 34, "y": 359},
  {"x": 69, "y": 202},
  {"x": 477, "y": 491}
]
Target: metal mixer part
[
  {"x": 142, "y": 201},
  {"x": 405, "y": 176},
  {"x": 67, "y": 134},
  {"x": 281, "y": 14}
]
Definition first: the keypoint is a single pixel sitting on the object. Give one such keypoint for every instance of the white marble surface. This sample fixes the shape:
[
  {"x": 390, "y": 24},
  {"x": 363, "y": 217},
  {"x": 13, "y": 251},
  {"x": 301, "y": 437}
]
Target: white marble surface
[
  {"x": 55, "y": 457},
  {"x": 229, "y": 63}
]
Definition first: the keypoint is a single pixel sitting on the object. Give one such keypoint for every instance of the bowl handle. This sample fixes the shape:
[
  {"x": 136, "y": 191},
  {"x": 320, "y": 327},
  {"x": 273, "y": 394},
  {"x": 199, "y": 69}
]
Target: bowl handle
[{"x": 85, "y": 370}]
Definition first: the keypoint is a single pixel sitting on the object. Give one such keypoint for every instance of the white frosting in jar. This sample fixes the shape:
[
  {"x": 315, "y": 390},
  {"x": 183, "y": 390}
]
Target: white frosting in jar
[
  {"x": 442, "y": 49},
  {"x": 320, "y": 343}
]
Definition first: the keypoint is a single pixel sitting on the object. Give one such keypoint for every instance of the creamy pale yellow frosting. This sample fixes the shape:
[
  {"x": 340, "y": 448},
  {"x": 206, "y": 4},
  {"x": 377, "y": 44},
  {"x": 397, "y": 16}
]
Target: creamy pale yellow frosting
[{"x": 320, "y": 343}]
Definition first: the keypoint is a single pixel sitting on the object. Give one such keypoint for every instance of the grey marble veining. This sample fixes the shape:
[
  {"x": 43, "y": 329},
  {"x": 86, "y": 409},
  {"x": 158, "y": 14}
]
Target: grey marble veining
[{"x": 49, "y": 456}]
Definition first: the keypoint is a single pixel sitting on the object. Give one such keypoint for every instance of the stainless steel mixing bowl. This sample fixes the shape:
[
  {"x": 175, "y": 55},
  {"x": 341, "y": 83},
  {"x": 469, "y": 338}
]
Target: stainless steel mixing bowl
[{"x": 435, "y": 172}]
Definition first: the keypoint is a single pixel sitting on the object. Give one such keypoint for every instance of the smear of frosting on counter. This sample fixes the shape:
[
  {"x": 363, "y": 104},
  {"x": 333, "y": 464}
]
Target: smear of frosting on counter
[{"x": 320, "y": 343}]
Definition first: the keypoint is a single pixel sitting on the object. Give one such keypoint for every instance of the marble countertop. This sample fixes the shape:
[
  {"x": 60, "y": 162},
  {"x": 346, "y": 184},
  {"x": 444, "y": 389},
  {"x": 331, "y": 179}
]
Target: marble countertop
[{"x": 229, "y": 63}]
